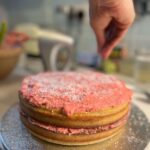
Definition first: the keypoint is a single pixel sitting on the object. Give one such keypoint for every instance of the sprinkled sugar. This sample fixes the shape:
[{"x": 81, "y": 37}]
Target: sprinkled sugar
[{"x": 88, "y": 90}]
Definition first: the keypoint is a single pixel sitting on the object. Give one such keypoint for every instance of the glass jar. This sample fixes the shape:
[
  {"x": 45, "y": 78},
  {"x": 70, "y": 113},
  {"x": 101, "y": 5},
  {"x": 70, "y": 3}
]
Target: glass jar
[{"x": 142, "y": 66}]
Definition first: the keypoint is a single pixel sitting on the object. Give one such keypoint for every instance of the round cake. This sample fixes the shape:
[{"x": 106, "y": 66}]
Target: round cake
[{"x": 74, "y": 108}]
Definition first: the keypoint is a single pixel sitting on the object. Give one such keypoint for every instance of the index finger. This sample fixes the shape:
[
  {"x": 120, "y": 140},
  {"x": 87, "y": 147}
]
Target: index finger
[{"x": 114, "y": 38}]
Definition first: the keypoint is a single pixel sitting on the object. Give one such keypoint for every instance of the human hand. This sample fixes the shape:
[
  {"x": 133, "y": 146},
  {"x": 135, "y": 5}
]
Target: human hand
[{"x": 110, "y": 20}]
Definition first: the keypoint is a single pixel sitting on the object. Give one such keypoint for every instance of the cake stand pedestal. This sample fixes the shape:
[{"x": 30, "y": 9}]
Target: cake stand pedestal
[{"x": 135, "y": 136}]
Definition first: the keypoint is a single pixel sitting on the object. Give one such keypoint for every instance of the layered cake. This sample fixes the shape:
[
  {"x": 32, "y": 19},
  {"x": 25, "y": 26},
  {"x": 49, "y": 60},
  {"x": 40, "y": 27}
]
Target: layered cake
[{"x": 74, "y": 108}]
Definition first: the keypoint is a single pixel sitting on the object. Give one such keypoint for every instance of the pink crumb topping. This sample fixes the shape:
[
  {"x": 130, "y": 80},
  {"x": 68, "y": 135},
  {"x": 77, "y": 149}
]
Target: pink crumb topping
[{"x": 75, "y": 92}]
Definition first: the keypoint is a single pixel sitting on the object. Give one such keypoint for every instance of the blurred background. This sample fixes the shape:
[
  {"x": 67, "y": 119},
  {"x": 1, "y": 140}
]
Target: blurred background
[{"x": 54, "y": 35}]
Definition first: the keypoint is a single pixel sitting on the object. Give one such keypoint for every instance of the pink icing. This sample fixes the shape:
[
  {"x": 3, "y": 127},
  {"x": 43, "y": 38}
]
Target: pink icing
[
  {"x": 73, "y": 131},
  {"x": 75, "y": 92}
]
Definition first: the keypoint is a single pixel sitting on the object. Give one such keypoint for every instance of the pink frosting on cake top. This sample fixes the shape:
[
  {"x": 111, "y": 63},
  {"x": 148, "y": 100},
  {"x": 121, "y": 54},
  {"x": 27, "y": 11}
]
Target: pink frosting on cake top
[{"x": 75, "y": 92}]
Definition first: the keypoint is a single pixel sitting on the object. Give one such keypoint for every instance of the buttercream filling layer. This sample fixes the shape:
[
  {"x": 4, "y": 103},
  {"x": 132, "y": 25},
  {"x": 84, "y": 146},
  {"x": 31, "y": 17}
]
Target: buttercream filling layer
[{"x": 75, "y": 131}]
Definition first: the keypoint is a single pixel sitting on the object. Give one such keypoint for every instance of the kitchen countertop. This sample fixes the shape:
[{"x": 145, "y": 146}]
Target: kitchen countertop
[{"x": 8, "y": 93}]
